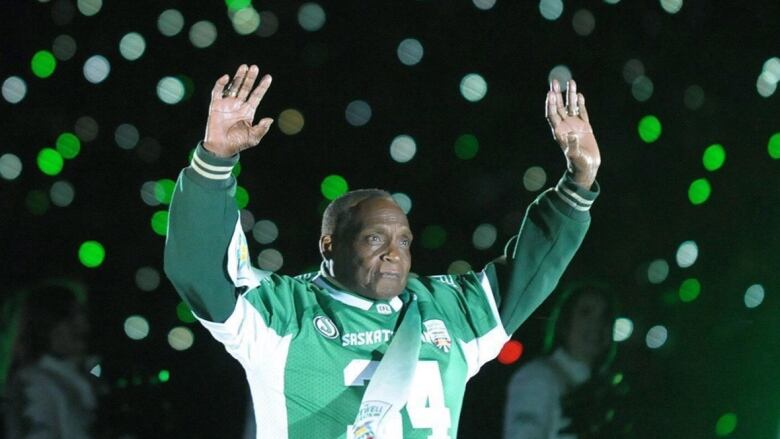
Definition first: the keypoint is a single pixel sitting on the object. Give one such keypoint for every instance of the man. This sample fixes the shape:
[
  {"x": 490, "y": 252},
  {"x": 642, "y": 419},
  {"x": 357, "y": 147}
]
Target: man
[
  {"x": 542, "y": 394},
  {"x": 361, "y": 349}
]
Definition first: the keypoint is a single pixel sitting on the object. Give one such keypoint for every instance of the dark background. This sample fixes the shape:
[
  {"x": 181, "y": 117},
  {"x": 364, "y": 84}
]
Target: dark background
[{"x": 721, "y": 357}]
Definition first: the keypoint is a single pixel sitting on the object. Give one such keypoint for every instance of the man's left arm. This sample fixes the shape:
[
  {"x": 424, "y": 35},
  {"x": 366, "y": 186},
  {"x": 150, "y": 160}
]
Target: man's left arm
[{"x": 555, "y": 224}]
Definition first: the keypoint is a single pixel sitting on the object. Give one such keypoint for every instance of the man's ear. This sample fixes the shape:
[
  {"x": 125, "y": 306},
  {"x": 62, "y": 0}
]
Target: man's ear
[{"x": 326, "y": 247}]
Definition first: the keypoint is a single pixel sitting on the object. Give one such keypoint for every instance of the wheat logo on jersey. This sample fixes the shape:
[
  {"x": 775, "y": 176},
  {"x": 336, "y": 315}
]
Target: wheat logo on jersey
[
  {"x": 326, "y": 327},
  {"x": 436, "y": 333}
]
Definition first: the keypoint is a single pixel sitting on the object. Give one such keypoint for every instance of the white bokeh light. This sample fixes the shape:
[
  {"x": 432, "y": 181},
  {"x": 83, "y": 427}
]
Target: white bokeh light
[
  {"x": 473, "y": 87},
  {"x": 14, "y": 89},
  {"x": 170, "y": 90},
  {"x": 96, "y": 69},
  {"x": 656, "y": 337},
  {"x": 410, "y": 51},
  {"x": 403, "y": 148}
]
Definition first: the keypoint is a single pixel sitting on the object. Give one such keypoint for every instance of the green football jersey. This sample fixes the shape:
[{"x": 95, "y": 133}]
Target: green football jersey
[{"x": 310, "y": 348}]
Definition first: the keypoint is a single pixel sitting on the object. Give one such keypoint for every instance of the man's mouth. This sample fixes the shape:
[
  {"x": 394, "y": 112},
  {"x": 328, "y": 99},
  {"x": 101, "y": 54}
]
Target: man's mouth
[{"x": 390, "y": 275}]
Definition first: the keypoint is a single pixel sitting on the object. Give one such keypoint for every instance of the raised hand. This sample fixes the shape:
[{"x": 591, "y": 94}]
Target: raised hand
[
  {"x": 229, "y": 128},
  {"x": 571, "y": 129}
]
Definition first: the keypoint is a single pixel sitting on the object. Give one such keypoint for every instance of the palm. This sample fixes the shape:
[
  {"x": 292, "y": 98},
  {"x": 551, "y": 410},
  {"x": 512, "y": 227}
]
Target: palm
[
  {"x": 571, "y": 129},
  {"x": 229, "y": 129}
]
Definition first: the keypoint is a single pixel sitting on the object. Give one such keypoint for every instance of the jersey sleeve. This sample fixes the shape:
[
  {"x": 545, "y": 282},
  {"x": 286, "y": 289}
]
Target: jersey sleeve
[
  {"x": 207, "y": 260},
  {"x": 554, "y": 226}
]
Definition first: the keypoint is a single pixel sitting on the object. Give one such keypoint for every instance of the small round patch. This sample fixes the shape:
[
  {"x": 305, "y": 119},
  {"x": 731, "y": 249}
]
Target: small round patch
[{"x": 326, "y": 327}]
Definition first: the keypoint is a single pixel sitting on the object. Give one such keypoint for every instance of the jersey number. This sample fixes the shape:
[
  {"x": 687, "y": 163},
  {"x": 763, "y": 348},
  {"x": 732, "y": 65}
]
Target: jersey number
[{"x": 426, "y": 407}]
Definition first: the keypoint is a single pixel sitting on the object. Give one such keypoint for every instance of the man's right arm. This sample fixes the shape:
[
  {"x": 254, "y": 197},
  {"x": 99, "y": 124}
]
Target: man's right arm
[{"x": 201, "y": 224}]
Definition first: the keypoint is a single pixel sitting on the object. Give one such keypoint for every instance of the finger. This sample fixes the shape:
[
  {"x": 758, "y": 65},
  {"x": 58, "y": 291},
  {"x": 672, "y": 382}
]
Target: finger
[
  {"x": 559, "y": 99},
  {"x": 571, "y": 98},
  {"x": 259, "y": 92},
  {"x": 249, "y": 81},
  {"x": 551, "y": 110},
  {"x": 257, "y": 132},
  {"x": 238, "y": 79},
  {"x": 581, "y": 105},
  {"x": 219, "y": 86}
]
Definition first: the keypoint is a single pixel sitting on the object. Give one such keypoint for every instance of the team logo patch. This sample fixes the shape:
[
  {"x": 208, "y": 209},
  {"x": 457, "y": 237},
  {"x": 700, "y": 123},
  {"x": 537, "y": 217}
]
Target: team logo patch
[
  {"x": 326, "y": 327},
  {"x": 436, "y": 333},
  {"x": 383, "y": 308}
]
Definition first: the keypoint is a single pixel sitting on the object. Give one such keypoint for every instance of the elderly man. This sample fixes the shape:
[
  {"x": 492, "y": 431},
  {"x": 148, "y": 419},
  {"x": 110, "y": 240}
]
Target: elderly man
[{"x": 360, "y": 349}]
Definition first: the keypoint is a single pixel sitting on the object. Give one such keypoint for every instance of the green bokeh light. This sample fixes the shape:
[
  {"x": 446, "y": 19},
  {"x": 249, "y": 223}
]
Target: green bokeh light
[
  {"x": 433, "y": 237},
  {"x": 774, "y": 146},
  {"x": 43, "y": 64},
  {"x": 50, "y": 161},
  {"x": 163, "y": 190},
  {"x": 238, "y": 4},
  {"x": 236, "y": 170},
  {"x": 617, "y": 379},
  {"x": 92, "y": 254},
  {"x": 68, "y": 145},
  {"x": 242, "y": 197},
  {"x": 466, "y": 147},
  {"x": 37, "y": 202},
  {"x": 699, "y": 191},
  {"x": 713, "y": 157},
  {"x": 726, "y": 424},
  {"x": 649, "y": 129},
  {"x": 689, "y": 290},
  {"x": 164, "y": 375},
  {"x": 160, "y": 222},
  {"x": 184, "y": 313},
  {"x": 333, "y": 186}
]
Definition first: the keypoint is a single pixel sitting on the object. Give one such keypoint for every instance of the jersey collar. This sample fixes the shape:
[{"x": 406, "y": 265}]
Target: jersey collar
[{"x": 338, "y": 292}]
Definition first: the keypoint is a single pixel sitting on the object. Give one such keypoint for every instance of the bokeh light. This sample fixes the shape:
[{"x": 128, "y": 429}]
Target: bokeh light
[
  {"x": 484, "y": 236},
  {"x": 484, "y": 4},
  {"x": 159, "y": 222},
  {"x": 265, "y": 231},
  {"x": 726, "y": 424},
  {"x": 622, "y": 329},
  {"x": 163, "y": 190},
  {"x": 126, "y": 136},
  {"x": 10, "y": 166},
  {"x": 689, "y": 290},
  {"x": 184, "y": 313},
  {"x": 583, "y": 22},
  {"x": 466, "y": 146},
  {"x": 671, "y": 6},
  {"x": 657, "y": 271},
  {"x": 403, "y": 201},
  {"x": 766, "y": 84},
  {"x": 656, "y": 336},
  {"x": 649, "y": 129},
  {"x": 170, "y": 22},
  {"x": 403, "y": 148},
  {"x": 181, "y": 338},
  {"x": 459, "y": 267},
  {"x": 132, "y": 46},
  {"x": 164, "y": 375},
  {"x": 247, "y": 219},
  {"x": 43, "y": 64},
  {"x": 551, "y": 9},
  {"x": 642, "y": 88},
  {"x": 358, "y": 113},
  {"x": 699, "y": 191},
  {"x": 136, "y": 327},
  {"x": 147, "y": 279},
  {"x": 96, "y": 69},
  {"x": 270, "y": 260},
  {"x": 754, "y": 296},
  {"x": 311, "y": 16},
  {"x": 269, "y": 24},
  {"x": 62, "y": 193},
  {"x": 203, "y": 34},
  {"x": 473, "y": 87},
  {"x": 290, "y": 121},
  {"x": 14, "y": 89},
  {"x": 693, "y": 97},
  {"x": 773, "y": 147},
  {"x": 86, "y": 128},
  {"x": 433, "y": 237},
  {"x": 410, "y": 51},
  {"x": 64, "y": 47},
  {"x": 714, "y": 157},
  {"x": 50, "y": 161},
  {"x": 687, "y": 253},
  {"x": 632, "y": 70},
  {"x": 562, "y": 74},
  {"x": 170, "y": 90},
  {"x": 149, "y": 193},
  {"x": 510, "y": 352},
  {"x": 235, "y": 5},
  {"x": 246, "y": 21},
  {"x": 68, "y": 145},
  {"x": 333, "y": 186},
  {"x": 92, "y": 254},
  {"x": 534, "y": 178},
  {"x": 242, "y": 197},
  {"x": 89, "y": 7}
]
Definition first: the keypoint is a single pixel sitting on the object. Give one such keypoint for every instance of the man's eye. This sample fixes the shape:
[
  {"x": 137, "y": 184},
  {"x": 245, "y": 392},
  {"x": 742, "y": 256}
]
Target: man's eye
[
  {"x": 374, "y": 238},
  {"x": 405, "y": 242}
]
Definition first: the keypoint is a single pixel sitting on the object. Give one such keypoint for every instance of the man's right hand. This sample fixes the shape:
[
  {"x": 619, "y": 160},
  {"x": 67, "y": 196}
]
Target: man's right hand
[{"x": 229, "y": 129}]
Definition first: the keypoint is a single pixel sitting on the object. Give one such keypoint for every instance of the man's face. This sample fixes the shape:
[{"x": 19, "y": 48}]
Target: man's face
[
  {"x": 372, "y": 255},
  {"x": 589, "y": 329}
]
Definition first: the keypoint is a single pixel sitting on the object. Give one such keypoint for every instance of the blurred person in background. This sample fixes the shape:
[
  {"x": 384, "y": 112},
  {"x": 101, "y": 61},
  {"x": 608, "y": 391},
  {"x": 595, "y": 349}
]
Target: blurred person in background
[{"x": 570, "y": 392}]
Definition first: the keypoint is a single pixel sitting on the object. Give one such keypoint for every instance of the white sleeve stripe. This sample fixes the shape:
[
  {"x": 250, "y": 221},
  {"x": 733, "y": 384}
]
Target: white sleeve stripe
[
  {"x": 485, "y": 283},
  {"x": 576, "y": 197},
  {"x": 208, "y": 174},
  {"x": 208, "y": 167},
  {"x": 570, "y": 202}
]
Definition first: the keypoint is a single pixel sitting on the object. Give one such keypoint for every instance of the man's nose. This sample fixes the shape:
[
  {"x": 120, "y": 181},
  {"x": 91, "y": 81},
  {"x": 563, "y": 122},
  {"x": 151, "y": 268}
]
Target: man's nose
[{"x": 392, "y": 253}]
